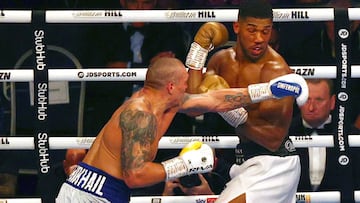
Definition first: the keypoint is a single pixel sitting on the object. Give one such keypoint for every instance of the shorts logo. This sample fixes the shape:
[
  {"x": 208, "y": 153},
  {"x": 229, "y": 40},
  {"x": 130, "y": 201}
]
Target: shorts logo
[
  {"x": 87, "y": 180},
  {"x": 290, "y": 146}
]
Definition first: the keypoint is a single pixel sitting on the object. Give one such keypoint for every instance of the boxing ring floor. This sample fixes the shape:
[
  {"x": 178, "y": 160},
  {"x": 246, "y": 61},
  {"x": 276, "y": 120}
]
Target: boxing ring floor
[{"x": 39, "y": 75}]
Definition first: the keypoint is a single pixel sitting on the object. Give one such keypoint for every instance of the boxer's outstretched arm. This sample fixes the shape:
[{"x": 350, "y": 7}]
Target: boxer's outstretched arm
[
  {"x": 215, "y": 101},
  {"x": 231, "y": 98},
  {"x": 140, "y": 139}
]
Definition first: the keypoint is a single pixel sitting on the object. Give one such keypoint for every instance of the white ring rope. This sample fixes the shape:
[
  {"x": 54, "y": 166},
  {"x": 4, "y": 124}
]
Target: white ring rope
[
  {"x": 192, "y": 15},
  {"x": 357, "y": 196},
  {"x": 167, "y": 142},
  {"x": 138, "y": 74},
  {"x": 301, "y": 197},
  {"x": 20, "y": 200},
  {"x": 189, "y": 15},
  {"x": 15, "y": 16}
]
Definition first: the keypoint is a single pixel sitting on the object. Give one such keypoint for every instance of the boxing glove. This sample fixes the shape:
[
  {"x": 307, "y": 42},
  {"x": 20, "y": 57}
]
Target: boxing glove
[
  {"x": 235, "y": 117},
  {"x": 286, "y": 85},
  {"x": 195, "y": 157},
  {"x": 212, "y": 81},
  {"x": 209, "y": 36}
]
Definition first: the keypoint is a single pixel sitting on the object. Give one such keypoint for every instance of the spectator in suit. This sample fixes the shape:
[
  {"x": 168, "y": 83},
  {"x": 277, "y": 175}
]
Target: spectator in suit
[
  {"x": 319, "y": 166},
  {"x": 318, "y": 48}
]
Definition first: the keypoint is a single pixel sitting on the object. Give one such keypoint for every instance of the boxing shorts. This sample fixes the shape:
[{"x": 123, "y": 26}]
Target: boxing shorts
[
  {"x": 89, "y": 184},
  {"x": 248, "y": 150}
]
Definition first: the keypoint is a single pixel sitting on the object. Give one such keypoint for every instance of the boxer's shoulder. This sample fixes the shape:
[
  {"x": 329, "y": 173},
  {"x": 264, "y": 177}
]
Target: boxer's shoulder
[{"x": 221, "y": 59}]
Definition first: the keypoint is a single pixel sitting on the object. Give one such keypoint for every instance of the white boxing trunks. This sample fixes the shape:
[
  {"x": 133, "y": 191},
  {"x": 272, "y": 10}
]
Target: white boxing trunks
[
  {"x": 264, "y": 178},
  {"x": 89, "y": 184}
]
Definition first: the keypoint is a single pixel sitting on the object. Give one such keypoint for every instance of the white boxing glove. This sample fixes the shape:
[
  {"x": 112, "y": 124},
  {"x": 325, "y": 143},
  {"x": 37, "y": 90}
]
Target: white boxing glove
[
  {"x": 286, "y": 85},
  {"x": 195, "y": 157},
  {"x": 235, "y": 117}
]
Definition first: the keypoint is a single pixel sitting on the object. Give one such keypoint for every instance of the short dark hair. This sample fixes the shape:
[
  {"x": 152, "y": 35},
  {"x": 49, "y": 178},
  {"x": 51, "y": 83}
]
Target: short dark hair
[
  {"x": 329, "y": 82},
  {"x": 255, "y": 8}
]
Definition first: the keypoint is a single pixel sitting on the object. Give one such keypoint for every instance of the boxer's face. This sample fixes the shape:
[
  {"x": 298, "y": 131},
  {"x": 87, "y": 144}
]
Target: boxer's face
[
  {"x": 179, "y": 85},
  {"x": 253, "y": 35}
]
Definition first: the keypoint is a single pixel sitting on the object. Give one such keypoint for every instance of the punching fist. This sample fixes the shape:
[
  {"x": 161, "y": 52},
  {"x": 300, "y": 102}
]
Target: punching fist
[
  {"x": 209, "y": 35},
  {"x": 212, "y": 82},
  {"x": 286, "y": 85},
  {"x": 234, "y": 117},
  {"x": 195, "y": 157}
]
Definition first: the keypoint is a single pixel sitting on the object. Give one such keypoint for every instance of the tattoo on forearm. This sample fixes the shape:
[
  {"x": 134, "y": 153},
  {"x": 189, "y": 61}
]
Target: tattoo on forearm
[
  {"x": 238, "y": 100},
  {"x": 138, "y": 134}
]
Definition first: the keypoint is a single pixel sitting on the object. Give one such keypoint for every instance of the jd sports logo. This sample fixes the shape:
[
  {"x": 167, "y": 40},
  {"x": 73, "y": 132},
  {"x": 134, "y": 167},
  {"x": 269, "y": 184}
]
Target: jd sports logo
[
  {"x": 343, "y": 33},
  {"x": 343, "y": 160},
  {"x": 342, "y": 96}
]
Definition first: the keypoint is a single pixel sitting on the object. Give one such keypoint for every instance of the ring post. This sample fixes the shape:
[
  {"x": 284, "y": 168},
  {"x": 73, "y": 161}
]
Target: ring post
[{"x": 342, "y": 107}]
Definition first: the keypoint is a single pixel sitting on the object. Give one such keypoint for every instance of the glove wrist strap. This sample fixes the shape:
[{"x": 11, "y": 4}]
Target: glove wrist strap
[
  {"x": 196, "y": 57},
  {"x": 259, "y": 92},
  {"x": 175, "y": 168},
  {"x": 235, "y": 117}
]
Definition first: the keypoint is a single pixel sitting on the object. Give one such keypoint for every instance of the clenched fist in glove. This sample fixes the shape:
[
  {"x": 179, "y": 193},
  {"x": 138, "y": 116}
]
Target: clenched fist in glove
[
  {"x": 209, "y": 35},
  {"x": 286, "y": 85},
  {"x": 234, "y": 117},
  {"x": 195, "y": 157},
  {"x": 212, "y": 81}
]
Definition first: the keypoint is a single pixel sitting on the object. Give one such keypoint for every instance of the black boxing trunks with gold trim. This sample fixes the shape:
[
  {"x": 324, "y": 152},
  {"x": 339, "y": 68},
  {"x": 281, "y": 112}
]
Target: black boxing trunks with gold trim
[{"x": 247, "y": 150}]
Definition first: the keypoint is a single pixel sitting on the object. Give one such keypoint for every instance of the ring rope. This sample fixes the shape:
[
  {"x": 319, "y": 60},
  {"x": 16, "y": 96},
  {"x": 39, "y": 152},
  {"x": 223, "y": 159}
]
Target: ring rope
[
  {"x": 15, "y": 16},
  {"x": 138, "y": 74},
  {"x": 357, "y": 195},
  {"x": 192, "y": 15},
  {"x": 169, "y": 142},
  {"x": 189, "y": 15},
  {"x": 20, "y": 200},
  {"x": 308, "y": 197}
]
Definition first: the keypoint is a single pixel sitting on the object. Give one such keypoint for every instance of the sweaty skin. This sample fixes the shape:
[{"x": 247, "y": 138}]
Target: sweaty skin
[
  {"x": 128, "y": 143},
  {"x": 251, "y": 61}
]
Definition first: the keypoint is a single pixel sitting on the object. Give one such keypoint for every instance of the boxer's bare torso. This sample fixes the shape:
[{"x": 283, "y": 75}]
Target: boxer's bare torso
[
  {"x": 268, "y": 121},
  {"x": 113, "y": 142}
]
